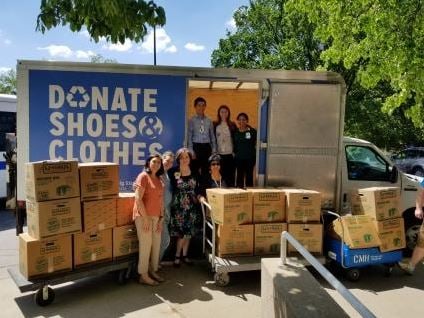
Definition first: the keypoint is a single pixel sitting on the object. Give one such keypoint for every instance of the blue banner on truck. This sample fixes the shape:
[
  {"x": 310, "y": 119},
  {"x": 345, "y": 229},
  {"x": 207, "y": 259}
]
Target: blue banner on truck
[{"x": 113, "y": 117}]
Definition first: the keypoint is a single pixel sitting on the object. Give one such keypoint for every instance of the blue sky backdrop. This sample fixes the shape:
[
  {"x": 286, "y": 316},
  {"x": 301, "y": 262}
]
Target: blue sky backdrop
[{"x": 191, "y": 33}]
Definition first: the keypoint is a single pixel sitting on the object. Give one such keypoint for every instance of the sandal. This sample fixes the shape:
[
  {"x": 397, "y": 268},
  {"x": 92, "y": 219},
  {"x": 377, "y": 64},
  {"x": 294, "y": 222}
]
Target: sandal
[
  {"x": 156, "y": 277},
  {"x": 177, "y": 262},
  {"x": 148, "y": 283}
]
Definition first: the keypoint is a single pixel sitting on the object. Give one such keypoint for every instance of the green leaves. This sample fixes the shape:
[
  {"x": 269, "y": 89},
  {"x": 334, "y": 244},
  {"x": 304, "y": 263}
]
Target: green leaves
[
  {"x": 116, "y": 20},
  {"x": 8, "y": 82}
]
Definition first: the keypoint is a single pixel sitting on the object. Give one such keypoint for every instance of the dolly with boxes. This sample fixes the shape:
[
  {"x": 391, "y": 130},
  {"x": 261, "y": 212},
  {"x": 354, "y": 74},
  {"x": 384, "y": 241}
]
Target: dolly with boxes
[
  {"x": 76, "y": 218},
  {"x": 373, "y": 235},
  {"x": 250, "y": 222}
]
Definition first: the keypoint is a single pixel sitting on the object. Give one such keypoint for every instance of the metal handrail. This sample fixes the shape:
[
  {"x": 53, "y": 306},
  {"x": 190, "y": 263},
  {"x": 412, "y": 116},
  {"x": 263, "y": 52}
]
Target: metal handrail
[{"x": 333, "y": 281}]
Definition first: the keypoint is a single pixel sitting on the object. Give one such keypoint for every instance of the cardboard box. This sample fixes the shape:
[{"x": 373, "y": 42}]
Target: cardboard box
[
  {"x": 302, "y": 206},
  {"x": 230, "y": 206},
  {"x": 124, "y": 209},
  {"x": 99, "y": 180},
  {"x": 49, "y": 218},
  {"x": 39, "y": 258},
  {"x": 392, "y": 234},
  {"x": 268, "y": 238},
  {"x": 309, "y": 235},
  {"x": 51, "y": 180},
  {"x": 92, "y": 247},
  {"x": 381, "y": 203},
  {"x": 125, "y": 241},
  {"x": 234, "y": 240},
  {"x": 357, "y": 231},
  {"x": 269, "y": 205},
  {"x": 98, "y": 215}
]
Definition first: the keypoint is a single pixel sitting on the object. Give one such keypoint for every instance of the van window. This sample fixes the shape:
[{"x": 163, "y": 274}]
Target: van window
[{"x": 363, "y": 163}]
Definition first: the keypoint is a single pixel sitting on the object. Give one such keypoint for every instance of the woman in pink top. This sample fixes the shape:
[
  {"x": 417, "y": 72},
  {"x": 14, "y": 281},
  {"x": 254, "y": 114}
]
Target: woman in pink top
[{"x": 148, "y": 217}]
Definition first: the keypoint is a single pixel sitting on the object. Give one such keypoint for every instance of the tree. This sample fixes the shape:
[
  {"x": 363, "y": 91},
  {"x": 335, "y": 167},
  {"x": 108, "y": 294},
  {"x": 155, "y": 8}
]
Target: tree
[
  {"x": 267, "y": 36},
  {"x": 8, "y": 82},
  {"x": 115, "y": 20},
  {"x": 384, "y": 37},
  {"x": 275, "y": 34}
]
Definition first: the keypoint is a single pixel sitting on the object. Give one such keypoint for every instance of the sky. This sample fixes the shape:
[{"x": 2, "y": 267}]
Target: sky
[{"x": 192, "y": 31}]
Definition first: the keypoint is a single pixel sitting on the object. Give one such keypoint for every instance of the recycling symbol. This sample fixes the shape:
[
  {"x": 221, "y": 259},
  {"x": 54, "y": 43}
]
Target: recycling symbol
[
  {"x": 82, "y": 101},
  {"x": 151, "y": 127}
]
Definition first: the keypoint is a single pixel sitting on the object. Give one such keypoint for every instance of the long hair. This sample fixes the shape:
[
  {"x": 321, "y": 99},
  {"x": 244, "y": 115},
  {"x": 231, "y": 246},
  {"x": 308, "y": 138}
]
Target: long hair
[
  {"x": 218, "y": 120},
  {"x": 180, "y": 152},
  {"x": 147, "y": 165}
]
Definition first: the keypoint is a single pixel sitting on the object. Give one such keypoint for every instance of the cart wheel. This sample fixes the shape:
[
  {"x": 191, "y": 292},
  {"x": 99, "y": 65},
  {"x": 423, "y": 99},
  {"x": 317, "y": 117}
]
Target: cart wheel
[
  {"x": 123, "y": 276},
  {"x": 44, "y": 296},
  {"x": 353, "y": 274},
  {"x": 221, "y": 279},
  {"x": 388, "y": 269}
]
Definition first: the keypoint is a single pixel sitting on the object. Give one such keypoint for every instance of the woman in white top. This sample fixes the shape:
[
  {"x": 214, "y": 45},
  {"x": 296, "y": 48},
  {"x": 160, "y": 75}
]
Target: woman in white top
[{"x": 224, "y": 132}]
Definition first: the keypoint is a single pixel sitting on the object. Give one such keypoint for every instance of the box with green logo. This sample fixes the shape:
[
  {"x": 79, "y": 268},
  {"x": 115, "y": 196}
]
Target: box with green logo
[
  {"x": 268, "y": 238},
  {"x": 309, "y": 235},
  {"x": 92, "y": 248},
  {"x": 356, "y": 231},
  {"x": 381, "y": 203},
  {"x": 392, "y": 234},
  {"x": 230, "y": 206},
  {"x": 54, "y": 217},
  {"x": 302, "y": 206},
  {"x": 40, "y": 258},
  {"x": 125, "y": 241},
  {"x": 268, "y": 205},
  {"x": 232, "y": 240}
]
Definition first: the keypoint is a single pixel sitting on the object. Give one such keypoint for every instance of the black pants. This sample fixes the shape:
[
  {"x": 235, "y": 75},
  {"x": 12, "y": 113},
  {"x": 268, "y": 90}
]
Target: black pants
[
  {"x": 228, "y": 170},
  {"x": 244, "y": 170},
  {"x": 203, "y": 152}
]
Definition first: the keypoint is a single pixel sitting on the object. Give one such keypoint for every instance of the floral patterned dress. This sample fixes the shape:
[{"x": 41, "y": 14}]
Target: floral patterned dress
[{"x": 185, "y": 212}]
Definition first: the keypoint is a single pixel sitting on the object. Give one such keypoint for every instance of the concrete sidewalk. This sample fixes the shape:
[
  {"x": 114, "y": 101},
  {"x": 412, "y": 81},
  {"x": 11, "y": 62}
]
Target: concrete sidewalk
[{"x": 188, "y": 292}]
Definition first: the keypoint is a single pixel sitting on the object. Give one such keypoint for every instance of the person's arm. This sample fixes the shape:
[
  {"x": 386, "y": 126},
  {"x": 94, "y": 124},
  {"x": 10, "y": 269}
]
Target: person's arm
[
  {"x": 139, "y": 191},
  {"x": 212, "y": 137},
  {"x": 419, "y": 202},
  {"x": 190, "y": 135}
]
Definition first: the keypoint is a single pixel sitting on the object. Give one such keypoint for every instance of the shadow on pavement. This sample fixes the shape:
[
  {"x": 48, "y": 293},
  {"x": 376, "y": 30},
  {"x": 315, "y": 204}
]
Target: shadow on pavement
[{"x": 7, "y": 220}]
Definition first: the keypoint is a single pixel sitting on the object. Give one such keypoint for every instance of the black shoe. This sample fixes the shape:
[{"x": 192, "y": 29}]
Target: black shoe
[{"x": 177, "y": 262}]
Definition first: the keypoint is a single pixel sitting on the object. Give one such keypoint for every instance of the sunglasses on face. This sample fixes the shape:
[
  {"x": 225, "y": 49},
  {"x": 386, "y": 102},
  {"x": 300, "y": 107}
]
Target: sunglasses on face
[{"x": 215, "y": 164}]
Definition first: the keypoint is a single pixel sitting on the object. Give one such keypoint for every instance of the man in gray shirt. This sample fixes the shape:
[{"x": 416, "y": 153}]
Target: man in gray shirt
[{"x": 201, "y": 137}]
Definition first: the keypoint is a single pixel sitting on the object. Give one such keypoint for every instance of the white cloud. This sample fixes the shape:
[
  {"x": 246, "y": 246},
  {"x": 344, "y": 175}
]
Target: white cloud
[
  {"x": 163, "y": 42},
  {"x": 194, "y": 47},
  {"x": 63, "y": 51},
  {"x": 127, "y": 46},
  {"x": 84, "y": 54},
  {"x": 84, "y": 33},
  {"x": 5, "y": 69},
  {"x": 231, "y": 24}
]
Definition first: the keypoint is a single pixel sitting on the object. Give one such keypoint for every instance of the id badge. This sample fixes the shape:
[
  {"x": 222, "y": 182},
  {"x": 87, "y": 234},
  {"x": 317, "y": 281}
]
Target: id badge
[{"x": 248, "y": 135}]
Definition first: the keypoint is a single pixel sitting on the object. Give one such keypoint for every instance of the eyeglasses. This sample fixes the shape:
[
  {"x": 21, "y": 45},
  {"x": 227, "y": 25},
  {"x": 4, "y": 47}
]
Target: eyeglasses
[{"x": 215, "y": 164}]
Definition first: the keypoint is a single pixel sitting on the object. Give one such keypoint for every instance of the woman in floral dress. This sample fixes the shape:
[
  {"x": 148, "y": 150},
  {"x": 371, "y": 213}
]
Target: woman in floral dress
[{"x": 185, "y": 212}]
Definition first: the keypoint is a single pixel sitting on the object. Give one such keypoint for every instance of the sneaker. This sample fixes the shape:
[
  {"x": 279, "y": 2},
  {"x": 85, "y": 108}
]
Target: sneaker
[{"x": 406, "y": 267}]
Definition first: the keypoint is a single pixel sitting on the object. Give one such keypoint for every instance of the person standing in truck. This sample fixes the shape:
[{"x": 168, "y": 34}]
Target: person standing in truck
[
  {"x": 148, "y": 217},
  {"x": 224, "y": 131},
  {"x": 408, "y": 266},
  {"x": 244, "y": 151},
  {"x": 201, "y": 138}
]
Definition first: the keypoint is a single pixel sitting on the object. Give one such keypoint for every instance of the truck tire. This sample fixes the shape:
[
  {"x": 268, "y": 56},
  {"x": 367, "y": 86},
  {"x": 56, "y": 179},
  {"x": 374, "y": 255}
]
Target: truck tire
[{"x": 412, "y": 228}]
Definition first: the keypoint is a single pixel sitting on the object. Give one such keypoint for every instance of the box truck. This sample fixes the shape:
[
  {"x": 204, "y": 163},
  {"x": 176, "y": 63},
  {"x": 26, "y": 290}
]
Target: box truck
[{"x": 124, "y": 113}]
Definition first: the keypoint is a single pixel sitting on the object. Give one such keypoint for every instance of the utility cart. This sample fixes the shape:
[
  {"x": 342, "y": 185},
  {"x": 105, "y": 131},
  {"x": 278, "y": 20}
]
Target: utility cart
[
  {"x": 353, "y": 260},
  {"x": 45, "y": 295},
  {"x": 222, "y": 266}
]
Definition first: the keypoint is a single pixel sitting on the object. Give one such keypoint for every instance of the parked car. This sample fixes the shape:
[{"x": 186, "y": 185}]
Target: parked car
[{"x": 410, "y": 160}]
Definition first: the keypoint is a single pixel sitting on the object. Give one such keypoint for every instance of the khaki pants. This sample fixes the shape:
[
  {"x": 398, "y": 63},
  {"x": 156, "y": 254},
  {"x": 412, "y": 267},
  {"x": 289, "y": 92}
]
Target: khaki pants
[{"x": 149, "y": 244}]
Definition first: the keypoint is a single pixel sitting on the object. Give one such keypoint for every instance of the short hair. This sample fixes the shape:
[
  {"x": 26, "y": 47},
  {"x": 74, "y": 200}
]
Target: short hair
[
  {"x": 243, "y": 115},
  {"x": 180, "y": 152},
  {"x": 214, "y": 158},
  {"x": 168, "y": 153},
  {"x": 147, "y": 165},
  {"x": 199, "y": 100}
]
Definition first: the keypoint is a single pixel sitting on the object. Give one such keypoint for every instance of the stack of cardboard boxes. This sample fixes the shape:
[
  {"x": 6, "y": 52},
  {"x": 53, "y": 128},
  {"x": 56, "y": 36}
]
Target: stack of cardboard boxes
[
  {"x": 381, "y": 207},
  {"x": 251, "y": 221},
  {"x": 303, "y": 209},
  {"x": 75, "y": 217}
]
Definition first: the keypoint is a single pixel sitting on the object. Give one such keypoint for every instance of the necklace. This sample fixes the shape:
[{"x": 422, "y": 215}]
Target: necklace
[{"x": 218, "y": 185}]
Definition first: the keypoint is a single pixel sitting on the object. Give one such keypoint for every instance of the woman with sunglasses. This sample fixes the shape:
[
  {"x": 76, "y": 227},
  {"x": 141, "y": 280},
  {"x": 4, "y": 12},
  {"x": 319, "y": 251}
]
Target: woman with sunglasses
[{"x": 214, "y": 179}]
